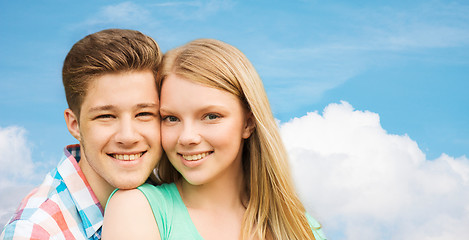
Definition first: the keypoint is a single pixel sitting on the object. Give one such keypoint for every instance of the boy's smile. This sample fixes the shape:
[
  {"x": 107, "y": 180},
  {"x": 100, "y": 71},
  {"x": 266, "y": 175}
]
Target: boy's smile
[{"x": 119, "y": 130}]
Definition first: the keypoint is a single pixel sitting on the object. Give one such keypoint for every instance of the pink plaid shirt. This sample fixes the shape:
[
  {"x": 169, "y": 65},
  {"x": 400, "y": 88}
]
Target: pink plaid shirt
[{"x": 62, "y": 207}]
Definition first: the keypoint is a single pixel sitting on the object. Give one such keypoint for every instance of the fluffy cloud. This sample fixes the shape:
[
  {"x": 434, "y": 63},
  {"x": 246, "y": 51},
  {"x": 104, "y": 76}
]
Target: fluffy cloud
[
  {"x": 125, "y": 13},
  {"x": 358, "y": 180},
  {"x": 17, "y": 170},
  {"x": 364, "y": 183},
  {"x": 15, "y": 154},
  {"x": 193, "y": 10}
]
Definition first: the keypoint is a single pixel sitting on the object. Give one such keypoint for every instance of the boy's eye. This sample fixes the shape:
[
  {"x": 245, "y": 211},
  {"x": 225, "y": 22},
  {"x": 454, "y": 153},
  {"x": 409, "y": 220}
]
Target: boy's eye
[
  {"x": 104, "y": 116},
  {"x": 143, "y": 114}
]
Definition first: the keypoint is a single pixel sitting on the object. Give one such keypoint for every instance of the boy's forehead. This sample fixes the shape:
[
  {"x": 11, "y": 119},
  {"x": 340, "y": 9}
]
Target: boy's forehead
[
  {"x": 92, "y": 83},
  {"x": 135, "y": 86}
]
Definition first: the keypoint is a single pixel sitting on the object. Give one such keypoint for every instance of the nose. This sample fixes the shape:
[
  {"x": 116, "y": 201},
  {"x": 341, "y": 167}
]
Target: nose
[
  {"x": 128, "y": 133},
  {"x": 189, "y": 135}
]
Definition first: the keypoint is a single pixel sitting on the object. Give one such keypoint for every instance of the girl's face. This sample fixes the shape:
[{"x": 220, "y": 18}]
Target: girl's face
[{"x": 202, "y": 130}]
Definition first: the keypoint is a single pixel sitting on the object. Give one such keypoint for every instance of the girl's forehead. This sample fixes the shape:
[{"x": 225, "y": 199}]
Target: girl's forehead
[{"x": 182, "y": 93}]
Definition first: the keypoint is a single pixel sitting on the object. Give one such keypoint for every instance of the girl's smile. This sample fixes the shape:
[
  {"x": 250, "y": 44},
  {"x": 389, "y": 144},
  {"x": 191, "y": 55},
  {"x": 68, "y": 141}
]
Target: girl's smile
[{"x": 203, "y": 130}]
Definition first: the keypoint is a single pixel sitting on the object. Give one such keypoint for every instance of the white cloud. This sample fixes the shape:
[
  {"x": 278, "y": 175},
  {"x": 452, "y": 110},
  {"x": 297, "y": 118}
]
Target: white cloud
[
  {"x": 126, "y": 13},
  {"x": 17, "y": 170},
  {"x": 15, "y": 154},
  {"x": 364, "y": 183},
  {"x": 147, "y": 16},
  {"x": 197, "y": 9},
  {"x": 311, "y": 71},
  {"x": 368, "y": 37},
  {"x": 431, "y": 24},
  {"x": 360, "y": 181}
]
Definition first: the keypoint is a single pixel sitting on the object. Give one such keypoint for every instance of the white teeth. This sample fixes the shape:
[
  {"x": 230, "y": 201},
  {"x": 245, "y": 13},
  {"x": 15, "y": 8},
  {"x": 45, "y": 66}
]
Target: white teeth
[
  {"x": 196, "y": 156},
  {"x": 127, "y": 156}
]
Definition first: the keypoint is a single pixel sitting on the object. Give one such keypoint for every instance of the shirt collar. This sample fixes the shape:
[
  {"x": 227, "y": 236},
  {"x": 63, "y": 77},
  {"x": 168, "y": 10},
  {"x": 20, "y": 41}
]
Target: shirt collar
[{"x": 88, "y": 206}]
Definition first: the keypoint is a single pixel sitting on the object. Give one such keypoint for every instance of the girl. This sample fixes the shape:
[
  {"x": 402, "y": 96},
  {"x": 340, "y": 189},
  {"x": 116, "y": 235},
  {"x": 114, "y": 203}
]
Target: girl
[{"x": 225, "y": 174}]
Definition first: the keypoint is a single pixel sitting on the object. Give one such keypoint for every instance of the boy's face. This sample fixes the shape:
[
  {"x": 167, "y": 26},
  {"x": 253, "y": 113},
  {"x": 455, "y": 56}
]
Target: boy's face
[{"x": 119, "y": 130}]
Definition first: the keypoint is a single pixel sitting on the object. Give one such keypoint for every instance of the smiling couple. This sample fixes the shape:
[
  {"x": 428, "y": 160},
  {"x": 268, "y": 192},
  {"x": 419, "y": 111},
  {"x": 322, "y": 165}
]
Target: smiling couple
[{"x": 224, "y": 171}]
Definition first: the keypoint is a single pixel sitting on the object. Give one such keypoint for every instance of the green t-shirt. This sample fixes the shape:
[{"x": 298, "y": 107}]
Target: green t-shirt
[{"x": 172, "y": 216}]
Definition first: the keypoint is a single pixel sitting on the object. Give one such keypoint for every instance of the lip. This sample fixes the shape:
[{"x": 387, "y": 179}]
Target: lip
[
  {"x": 202, "y": 155},
  {"x": 127, "y": 159}
]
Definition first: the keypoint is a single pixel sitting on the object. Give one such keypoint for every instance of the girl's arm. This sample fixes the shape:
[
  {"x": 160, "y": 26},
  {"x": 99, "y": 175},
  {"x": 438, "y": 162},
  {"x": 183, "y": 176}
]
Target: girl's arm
[{"x": 128, "y": 215}]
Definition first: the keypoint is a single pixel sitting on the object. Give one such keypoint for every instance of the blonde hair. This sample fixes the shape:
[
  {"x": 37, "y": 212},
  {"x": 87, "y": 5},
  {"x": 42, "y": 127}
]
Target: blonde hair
[{"x": 274, "y": 210}]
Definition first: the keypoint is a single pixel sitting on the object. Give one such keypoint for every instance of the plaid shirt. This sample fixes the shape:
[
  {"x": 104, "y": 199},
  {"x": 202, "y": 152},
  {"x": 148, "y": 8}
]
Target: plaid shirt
[{"x": 62, "y": 207}]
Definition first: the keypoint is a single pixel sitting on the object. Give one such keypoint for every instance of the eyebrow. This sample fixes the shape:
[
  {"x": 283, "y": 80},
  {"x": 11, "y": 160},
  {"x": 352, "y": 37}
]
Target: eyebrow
[
  {"x": 202, "y": 109},
  {"x": 111, "y": 107},
  {"x": 147, "y": 105},
  {"x": 212, "y": 106},
  {"x": 101, "y": 108},
  {"x": 165, "y": 110}
]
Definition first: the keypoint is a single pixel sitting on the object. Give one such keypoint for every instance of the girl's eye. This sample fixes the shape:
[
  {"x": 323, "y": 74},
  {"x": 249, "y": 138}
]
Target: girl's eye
[
  {"x": 170, "y": 119},
  {"x": 212, "y": 116}
]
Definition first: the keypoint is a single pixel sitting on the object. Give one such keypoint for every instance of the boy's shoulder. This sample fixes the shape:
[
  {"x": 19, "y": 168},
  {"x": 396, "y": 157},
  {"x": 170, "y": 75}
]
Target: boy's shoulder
[
  {"x": 63, "y": 207},
  {"x": 42, "y": 213}
]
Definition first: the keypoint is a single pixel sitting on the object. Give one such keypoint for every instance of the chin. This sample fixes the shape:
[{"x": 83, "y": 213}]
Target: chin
[
  {"x": 130, "y": 184},
  {"x": 195, "y": 181}
]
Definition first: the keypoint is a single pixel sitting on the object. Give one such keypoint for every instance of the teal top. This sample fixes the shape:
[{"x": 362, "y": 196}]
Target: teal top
[{"x": 172, "y": 216}]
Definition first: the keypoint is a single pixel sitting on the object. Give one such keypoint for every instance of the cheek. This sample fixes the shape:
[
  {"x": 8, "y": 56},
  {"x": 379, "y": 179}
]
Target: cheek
[
  {"x": 86, "y": 130},
  {"x": 96, "y": 135},
  {"x": 168, "y": 138},
  {"x": 229, "y": 136},
  {"x": 151, "y": 131}
]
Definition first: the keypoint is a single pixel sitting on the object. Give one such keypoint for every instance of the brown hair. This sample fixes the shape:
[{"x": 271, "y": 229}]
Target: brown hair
[
  {"x": 274, "y": 210},
  {"x": 107, "y": 51}
]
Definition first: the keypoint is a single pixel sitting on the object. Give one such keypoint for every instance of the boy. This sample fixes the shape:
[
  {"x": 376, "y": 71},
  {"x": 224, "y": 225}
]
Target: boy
[{"x": 109, "y": 81}]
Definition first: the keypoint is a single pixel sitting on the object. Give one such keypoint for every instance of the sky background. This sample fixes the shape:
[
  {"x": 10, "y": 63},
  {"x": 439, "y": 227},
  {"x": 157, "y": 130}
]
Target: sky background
[{"x": 372, "y": 98}]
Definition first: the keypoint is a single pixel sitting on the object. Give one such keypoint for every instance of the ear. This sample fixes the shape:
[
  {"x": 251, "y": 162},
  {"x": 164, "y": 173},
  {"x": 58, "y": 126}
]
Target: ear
[
  {"x": 249, "y": 125},
  {"x": 72, "y": 123}
]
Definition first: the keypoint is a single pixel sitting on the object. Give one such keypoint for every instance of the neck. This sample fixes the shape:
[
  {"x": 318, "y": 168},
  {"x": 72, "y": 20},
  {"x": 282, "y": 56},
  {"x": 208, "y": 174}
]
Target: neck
[
  {"x": 227, "y": 192},
  {"x": 100, "y": 187}
]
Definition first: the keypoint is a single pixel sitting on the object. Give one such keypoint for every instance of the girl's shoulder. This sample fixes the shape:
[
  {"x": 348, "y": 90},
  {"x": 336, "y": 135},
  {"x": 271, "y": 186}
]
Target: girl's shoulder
[
  {"x": 170, "y": 213},
  {"x": 125, "y": 221},
  {"x": 316, "y": 227},
  {"x": 163, "y": 192}
]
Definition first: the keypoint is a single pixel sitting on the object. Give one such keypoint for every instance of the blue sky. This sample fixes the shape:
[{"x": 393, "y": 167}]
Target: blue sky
[{"x": 408, "y": 62}]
